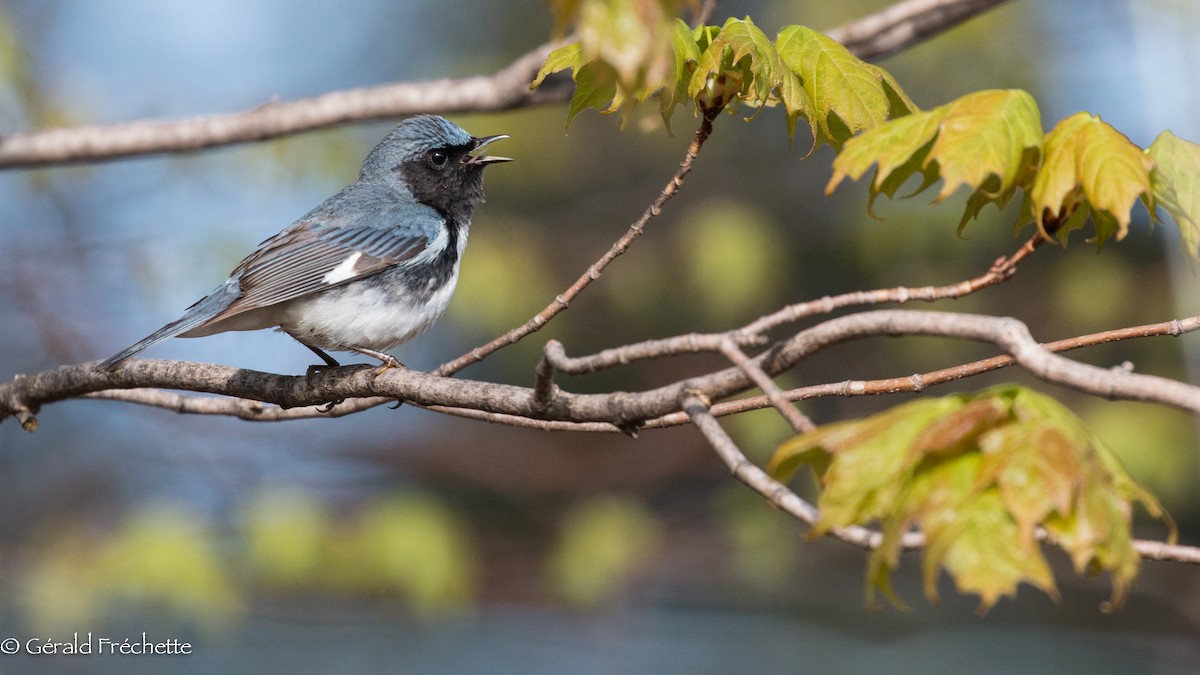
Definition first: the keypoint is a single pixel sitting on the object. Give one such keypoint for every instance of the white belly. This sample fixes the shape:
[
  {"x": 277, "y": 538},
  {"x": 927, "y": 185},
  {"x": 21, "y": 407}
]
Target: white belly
[{"x": 361, "y": 315}]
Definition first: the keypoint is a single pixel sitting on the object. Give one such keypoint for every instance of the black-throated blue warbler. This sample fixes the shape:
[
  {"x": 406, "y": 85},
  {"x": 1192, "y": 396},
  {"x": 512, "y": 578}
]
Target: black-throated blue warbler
[{"x": 370, "y": 268}]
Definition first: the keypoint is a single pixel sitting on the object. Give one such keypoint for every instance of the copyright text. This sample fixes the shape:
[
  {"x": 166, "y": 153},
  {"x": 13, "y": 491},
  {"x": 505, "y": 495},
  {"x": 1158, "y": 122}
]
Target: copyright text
[{"x": 87, "y": 644}]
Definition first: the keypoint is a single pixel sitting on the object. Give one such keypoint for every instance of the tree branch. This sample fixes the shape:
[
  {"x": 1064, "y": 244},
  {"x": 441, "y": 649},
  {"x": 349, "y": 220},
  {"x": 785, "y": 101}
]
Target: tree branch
[
  {"x": 905, "y": 24},
  {"x": 507, "y": 88},
  {"x": 23, "y": 396},
  {"x": 889, "y": 30},
  {"x": 799, "y": 422},
  {"x": 684, "y": 344}
]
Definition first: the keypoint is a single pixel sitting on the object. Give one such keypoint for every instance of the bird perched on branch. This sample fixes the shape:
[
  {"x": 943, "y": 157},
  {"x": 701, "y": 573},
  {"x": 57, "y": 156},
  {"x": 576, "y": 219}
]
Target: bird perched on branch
[{"x": 370, "y": 268}]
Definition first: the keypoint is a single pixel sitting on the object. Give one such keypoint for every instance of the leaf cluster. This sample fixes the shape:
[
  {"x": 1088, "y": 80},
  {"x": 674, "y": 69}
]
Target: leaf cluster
[
  {"x": 979, "y": 474},
  {"x": 1083, "y": 170},
  {"x": 716, "y": 68}
]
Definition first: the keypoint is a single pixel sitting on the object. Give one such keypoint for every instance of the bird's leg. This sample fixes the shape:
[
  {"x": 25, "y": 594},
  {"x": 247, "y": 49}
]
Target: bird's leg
[
  {"x": 330, "y": 362},
  {"x": 387, "y": 361}
]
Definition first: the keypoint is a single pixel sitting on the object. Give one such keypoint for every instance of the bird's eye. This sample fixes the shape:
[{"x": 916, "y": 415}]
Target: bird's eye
[{"x": 438, "y": 158}]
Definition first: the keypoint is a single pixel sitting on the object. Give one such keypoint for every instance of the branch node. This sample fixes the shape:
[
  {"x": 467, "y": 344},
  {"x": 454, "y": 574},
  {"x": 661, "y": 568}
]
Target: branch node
[
  {"x": 918, "y": 384},
  {"x": 27, "y": 419}
]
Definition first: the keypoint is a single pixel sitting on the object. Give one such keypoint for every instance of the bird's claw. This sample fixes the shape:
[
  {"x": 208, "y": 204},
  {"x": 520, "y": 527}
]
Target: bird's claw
[
  {"x": 328, "y": 407},
  {"x": 387, "y": 365}
]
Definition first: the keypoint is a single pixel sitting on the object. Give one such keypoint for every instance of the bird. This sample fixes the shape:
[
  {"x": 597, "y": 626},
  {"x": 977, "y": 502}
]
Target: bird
[{"x": 368, "y": 269}]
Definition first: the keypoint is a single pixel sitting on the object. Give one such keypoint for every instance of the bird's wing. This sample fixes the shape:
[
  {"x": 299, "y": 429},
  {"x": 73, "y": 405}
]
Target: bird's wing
[{"x": 314, "y": 256}]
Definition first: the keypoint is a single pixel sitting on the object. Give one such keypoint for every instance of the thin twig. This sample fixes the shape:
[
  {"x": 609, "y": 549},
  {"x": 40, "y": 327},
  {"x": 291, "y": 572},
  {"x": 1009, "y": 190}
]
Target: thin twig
[
  {"x": 697, "y": 409},
  {"x": 776, "y": 493},
  {"x": 593, "y": 272},
  {"x": 799, "y": 421},
  {"x": 1001, "y": 270}
]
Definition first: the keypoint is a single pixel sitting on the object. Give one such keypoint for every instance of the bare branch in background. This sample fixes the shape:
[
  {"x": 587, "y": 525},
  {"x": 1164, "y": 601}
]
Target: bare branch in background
[
  {"x": 906, "y": 23},
  {"x": 507, "y": 88},
  {"x": 889, "y": 30}
]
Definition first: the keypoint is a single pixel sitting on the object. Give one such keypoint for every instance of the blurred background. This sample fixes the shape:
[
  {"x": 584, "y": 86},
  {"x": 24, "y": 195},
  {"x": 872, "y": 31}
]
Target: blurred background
[{"x": 404, "y": 540}]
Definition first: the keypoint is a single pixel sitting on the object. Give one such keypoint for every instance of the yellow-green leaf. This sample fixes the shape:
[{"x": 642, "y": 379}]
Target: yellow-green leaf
[
  {"x": 989, "y": 140},
  {"x": 686, "y": 51},
  {"x": 1034, "y": 465},
  {"x": 1175, "y": 181},
  {"x": 978, "y": 547},
  {"x": 631, "y": 36},
  {"x": 595, "y": 81},
  {"x": 978, "y": 474},
  {"x": 871, "y": 463},
  {"x": 626, "y": 52},
  {"x": 1090, "y": 164},
  {"x": 738, "y": 62},
  {"x": 848, "y": 94},
  {"x": 569, "y": 56}
]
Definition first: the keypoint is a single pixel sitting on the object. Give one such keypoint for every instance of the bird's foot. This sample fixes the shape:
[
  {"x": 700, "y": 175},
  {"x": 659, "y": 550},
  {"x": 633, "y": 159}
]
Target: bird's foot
[
  {"x": 387, "y": 365},
  {"x": 317, "y": 370},
  {"x": 328, "y": 407},
  {"x": 387, "y": 362}
]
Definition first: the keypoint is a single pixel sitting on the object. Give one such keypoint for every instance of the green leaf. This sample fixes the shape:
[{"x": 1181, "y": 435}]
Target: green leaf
[
  {"x": 1090, "y": 165},
  {"x": 847, "y": 94},
  {"x": 595, "y": 87},
  {"x": 978, "y": 474},
  {"x": 871, "y": 463},
  {"x": 989, "y": 140},
  {"x": 976, "y": 543},
  {"x": 1034, "y": 465},
  {"x": 595, "y": 82},
  {"x": 739, "y": 62},
  {"x": 629, "y": 51},
  {"x": 570, "y": 56},
  {"x": 626, "y": 52},
  {"x": 631, "y": 36},
  {"x": 686, "y": 50},
  {"x": 1175, "y": 182}
]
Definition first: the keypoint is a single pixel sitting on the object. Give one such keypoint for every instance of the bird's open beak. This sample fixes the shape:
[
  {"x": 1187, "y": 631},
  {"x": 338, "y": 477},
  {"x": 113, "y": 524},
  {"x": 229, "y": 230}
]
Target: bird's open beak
[{"x": 479, "y": 160}]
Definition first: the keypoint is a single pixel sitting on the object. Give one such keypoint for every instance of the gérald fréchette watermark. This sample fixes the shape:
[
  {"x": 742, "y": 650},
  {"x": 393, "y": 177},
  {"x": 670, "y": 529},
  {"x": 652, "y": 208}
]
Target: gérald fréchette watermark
[{"x": 87, "y": 644}]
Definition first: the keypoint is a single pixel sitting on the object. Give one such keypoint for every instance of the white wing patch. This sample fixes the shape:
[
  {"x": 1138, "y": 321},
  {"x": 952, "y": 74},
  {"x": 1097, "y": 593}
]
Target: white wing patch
[
  {"x": 432, "y": 250},
  {"x": 343, "y": 271}
]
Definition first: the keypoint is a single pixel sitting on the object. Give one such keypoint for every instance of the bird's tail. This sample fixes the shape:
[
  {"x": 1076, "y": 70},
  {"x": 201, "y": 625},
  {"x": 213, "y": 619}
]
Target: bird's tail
[{"x": 198, "y": 314}]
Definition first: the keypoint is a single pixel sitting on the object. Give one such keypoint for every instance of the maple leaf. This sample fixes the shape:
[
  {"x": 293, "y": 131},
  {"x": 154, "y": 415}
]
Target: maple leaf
[
  {"x": 1091, "y": 169},
  {"x": 978, "y": 474},
  {"x": 988, "y": 140},
  {"x": 848, "y": 94},
  {"x": 1175, "y": 182}
]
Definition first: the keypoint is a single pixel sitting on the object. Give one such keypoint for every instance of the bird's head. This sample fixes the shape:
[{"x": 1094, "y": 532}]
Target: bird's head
[{"x": 432, "y": 159}]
